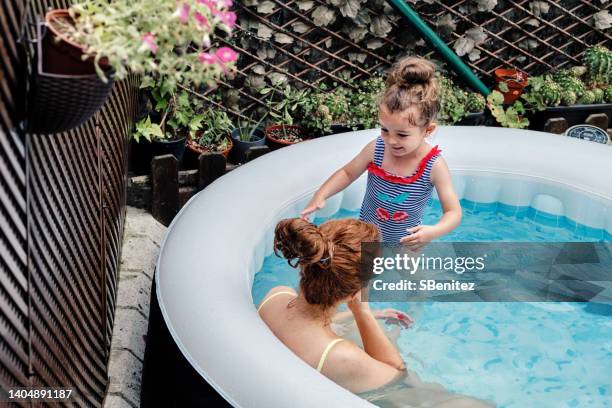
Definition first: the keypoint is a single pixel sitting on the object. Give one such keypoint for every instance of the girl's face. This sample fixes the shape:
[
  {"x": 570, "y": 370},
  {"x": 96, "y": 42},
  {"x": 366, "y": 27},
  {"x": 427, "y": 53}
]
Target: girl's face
[{"x": 399, "y": 136}]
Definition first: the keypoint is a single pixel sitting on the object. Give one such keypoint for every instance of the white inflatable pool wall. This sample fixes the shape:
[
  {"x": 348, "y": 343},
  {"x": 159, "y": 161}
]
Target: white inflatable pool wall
[{"x": 221, "y": 237}]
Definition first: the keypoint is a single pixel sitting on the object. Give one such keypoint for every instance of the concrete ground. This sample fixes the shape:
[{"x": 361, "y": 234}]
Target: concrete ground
[{"x": 141, "y": 241}]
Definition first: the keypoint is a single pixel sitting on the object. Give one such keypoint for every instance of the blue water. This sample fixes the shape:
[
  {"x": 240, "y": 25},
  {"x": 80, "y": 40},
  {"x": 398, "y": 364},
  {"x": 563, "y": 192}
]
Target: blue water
[{"x": 516, "y": 355}]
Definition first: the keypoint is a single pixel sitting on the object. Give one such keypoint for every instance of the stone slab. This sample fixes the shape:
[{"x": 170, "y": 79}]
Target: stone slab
[
  {"x": 124, "y": 376},
  {"x": 134, "y": 291},
  {"x": 116, "y": 401},
  {"x": 130, "y": 330},
  {"x": 141, "y": 240}
]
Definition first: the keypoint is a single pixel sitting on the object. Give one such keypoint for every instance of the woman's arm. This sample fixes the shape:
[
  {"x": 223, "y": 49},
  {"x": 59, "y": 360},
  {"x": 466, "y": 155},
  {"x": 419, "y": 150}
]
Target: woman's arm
[
  {"x": 375, "y": 342},
  {"x": 341, "y": 179}
]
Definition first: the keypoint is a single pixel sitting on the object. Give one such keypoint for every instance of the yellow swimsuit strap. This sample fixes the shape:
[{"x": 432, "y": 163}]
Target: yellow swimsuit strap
[
  {"x": 272, "y": 296},
  {"x": 326, "y": 352}
]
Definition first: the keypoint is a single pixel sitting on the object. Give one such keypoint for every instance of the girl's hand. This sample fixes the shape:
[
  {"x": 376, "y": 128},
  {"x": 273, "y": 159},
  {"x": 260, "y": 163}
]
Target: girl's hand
[
  {"x": 314, "y": 205},
  {"x": 419, "y": 236},
  {"x": 393, "y": 316}
]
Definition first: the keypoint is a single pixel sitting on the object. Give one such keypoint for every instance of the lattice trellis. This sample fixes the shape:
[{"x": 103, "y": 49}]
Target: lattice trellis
[
  {"x": 307, "y": 54},
  {"x": 524, "y": 39}
]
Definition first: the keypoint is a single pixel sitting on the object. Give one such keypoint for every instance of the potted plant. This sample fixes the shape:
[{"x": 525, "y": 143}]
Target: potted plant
[
  {"x": 284, "y": 131},
  {"x": 326, "y": 112},
  {"x": 453, "y": 102},
  {"x": 512, "y": 116},
  {"x": 245, "y": 136},
  {"x": 92, "y": 38},
  {"x": 510, "y": 82},
  {"x": 584, "y": 90},
  {"x": 172, "y": 119},
  {"x": 475, "y": 104},
  {"x": 364, "y": 103},
  {"x": 214, "y": 134}
]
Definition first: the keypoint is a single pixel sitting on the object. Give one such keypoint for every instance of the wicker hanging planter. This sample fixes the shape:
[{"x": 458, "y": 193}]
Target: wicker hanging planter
[{"x": 66, "y": 91}]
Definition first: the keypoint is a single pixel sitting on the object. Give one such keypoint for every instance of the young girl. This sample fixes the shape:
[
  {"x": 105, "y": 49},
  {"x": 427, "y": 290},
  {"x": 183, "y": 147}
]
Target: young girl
[{"x": 403, "y": 168}]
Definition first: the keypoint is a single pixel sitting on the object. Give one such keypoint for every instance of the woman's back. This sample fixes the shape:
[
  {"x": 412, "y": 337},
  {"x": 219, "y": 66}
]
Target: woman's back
[
  {"x": 348, "y": 365},
  {"x": 340, "y": 360}
]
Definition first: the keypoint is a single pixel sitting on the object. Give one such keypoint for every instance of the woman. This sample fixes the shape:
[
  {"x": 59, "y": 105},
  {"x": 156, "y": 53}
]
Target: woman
[{"x": 328, "y": 257}]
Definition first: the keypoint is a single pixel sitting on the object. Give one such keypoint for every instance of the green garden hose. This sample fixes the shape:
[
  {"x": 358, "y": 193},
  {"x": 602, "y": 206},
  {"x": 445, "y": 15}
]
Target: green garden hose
[{"x": 435, "y": 41}]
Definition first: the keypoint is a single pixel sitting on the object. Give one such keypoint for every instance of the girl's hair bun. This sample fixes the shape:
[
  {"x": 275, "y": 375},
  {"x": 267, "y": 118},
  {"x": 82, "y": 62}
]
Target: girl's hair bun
[
  {"x": 412, "y": 88},
  {"x": 410, "y": 71}
]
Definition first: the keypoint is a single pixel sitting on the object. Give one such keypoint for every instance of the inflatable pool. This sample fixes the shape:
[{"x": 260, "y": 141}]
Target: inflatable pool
[{"x": 222, "y": 235}]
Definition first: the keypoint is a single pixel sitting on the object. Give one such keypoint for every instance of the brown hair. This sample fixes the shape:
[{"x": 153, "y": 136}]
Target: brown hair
[
  {"x": 412, "y": 88},
  {"x": 328, "y": 256}
]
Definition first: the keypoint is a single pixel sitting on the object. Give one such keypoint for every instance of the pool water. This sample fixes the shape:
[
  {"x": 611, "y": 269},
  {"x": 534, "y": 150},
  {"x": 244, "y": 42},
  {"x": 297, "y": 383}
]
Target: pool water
[{"x": 515, "y": 355}]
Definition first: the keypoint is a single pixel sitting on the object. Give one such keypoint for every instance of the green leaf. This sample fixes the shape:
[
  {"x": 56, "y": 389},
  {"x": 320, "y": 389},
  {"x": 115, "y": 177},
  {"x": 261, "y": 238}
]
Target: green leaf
[
  {"x": 183, "y": 100},
  {"x": 165, "y": 87},
  {"x": 148, "y": 130},
  {"x": 496, "y": 98},
  {"x": 147, "y": 82},
  {"x": 161, "y": 105}
]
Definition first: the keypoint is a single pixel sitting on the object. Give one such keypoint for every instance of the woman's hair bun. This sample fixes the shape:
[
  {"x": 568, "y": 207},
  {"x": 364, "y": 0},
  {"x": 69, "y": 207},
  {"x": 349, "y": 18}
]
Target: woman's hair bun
[
  {"x": 328, "y": 256},
  {"x": 299, "y": 239},
  {"x": 410, "y": 71}
]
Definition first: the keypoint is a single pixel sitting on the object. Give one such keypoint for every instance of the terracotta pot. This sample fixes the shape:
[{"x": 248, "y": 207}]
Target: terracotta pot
[
  {"x": 275, "y": 143},
  {"x": 64, "y": 57},
  {"x": 198, "y": 150},
  {"x": 514, "y": 79}
]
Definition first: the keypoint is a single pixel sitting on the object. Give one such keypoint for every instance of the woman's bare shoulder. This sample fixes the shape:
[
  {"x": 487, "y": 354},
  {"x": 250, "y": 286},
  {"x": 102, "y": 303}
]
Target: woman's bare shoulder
[
  {"x": 279, "y": 289},
  {"x": 269, "y": 301}
]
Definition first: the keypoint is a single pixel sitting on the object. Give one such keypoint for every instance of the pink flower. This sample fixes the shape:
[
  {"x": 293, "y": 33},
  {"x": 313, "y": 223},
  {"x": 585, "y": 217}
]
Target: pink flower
[
  {"x": 149, "y": 40},
  {"x": 207, "y": 58},
  {"x": 183, "y": 12},
  {"x": 201, "y": 19},
  {"x": 225, "y": 3},
  {"x": 208, "y": 3},
  {"x": 229, "y": 19},
  {"x": 225, "y": 54}
]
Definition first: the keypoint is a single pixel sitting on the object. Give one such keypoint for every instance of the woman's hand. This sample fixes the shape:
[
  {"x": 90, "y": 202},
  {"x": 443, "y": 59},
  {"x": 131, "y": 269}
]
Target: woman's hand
[
  {"x": 355, "y": 304},
  {"x": 314, "y": 205},
  {"x": 419, "y": 236},
  {"x": 393, "y": 316}
]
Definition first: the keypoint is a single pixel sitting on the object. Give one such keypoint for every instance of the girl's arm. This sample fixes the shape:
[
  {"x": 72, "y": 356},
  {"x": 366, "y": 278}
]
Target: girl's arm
[
  {"x": 341, "y": 179},
  {"x": 441, "y": 179}
]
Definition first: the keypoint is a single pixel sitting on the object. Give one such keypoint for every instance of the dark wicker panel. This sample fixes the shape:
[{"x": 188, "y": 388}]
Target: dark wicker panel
[
  {"x": 14, "y": 322},
  {"x": 115, "y": 123},
  {"x": 62, "y": 210},
  {"x": 13, "y": 263}
]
